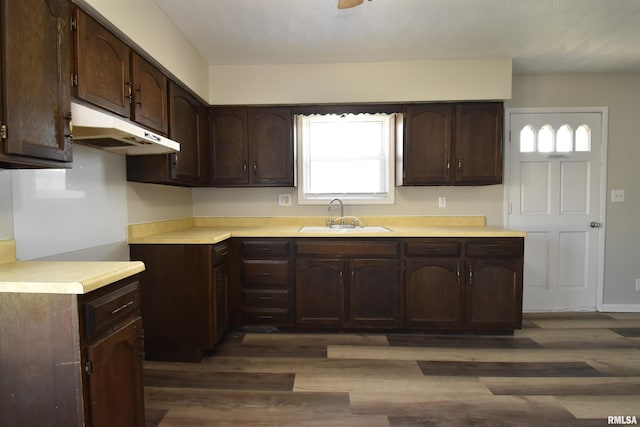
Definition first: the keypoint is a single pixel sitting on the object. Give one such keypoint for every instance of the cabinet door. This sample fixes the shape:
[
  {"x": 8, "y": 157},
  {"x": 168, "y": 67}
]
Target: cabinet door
[
  {"x": 115, "y": 378},
  {"x": 427, "y": 145},
  {"x": 478, "y": 143},
  {"x": 189, "y": 125},
  {"x": 230, "y": 147},
  {"x": 374, "y": 293},
  {"x": 320, "y": 292},
  {"x": 271, "y": 146},
  {"x": 433, "y": 293},
  {"x": 494, "y": 293},
  {"x": 149, "y": 95},
  {"x": 36, "y": 65},
  {"x": 102, "y": 66},
  {"x": 219, "y": 321}
]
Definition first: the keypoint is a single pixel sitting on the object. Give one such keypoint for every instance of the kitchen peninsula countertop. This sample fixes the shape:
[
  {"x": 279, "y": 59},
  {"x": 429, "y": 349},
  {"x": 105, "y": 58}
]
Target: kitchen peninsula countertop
[
  {"x": 217, "y": 229},
  {"x": 59, "y": 277}
]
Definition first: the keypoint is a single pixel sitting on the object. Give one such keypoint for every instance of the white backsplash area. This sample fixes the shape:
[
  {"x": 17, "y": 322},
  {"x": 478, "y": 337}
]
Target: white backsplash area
[
  {"x": 58, "y": 211},
  {"x": 6, "y": 206}
]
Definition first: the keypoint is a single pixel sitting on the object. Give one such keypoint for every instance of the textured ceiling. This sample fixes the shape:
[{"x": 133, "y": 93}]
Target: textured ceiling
[{"x": 542, "y": 36}]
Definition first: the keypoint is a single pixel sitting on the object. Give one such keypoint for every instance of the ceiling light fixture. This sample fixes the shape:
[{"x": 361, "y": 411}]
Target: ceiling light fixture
[{"x": 346, "y": 4}]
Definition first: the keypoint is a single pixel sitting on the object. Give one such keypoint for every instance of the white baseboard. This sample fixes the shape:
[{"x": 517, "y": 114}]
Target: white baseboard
[{"x": 625, "y": 308}]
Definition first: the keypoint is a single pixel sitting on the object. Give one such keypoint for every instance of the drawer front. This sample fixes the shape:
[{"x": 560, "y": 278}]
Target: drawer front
[
  {"x": 347, "y": 247},
  {"x": 266, "y": 248},
  {"x": 433, "y": 248},
  {"x": 489, "y": 248},
  {"x": 261, "y": 274},
  {"x": 267, "y": 299},
  {"x": 220, "y": 253},
  {"x": 273, "y": 317},
  {"x": 105, "y": 313}
]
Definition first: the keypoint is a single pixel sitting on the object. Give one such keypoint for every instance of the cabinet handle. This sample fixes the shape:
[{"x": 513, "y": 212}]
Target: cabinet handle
[
  {"x": 263, "y": 274},
  {"x": 459, "y": 163},
  {"x": 265, "y": 317},
  {"x": 265, "y": 298},
  {"x": 470, "y": 276},
  {"x": 448, "y": 165},
  {"x": 244, "y": 167},
  {"x": 122, "y": 307},
  {"x": 458, "y": 274},
  {"x": 129, "y": 94},
  {"x": 255, "y": 168},
  {"x": 139, "y": 97}
]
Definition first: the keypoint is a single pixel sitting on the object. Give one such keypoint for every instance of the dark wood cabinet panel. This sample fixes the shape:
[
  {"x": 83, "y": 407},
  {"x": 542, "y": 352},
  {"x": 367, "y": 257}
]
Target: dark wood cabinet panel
[
  {"x": 61, "y": 368},
  {"x": 36, "y": 93},
  {"x": 434, "y": 293},
  {"x": 453, "y": 144},
  {"x": 478, "y": 143},
  {"x": 271, "y": 146},
  {"x": 102, "y": 66},
  {"x": 320, "y": 293},
  {"x": 374, "y": 292},
  {"x": 252, "y": 146},
  {"x": 189, "y": 126},
  {"x": 428, "y": 134},
  {"x": 149, "y": 95},
  {"x": 178, "y": 310},
  {"x": 230, "y": 145},
  {"x": 115, "y": 380}
]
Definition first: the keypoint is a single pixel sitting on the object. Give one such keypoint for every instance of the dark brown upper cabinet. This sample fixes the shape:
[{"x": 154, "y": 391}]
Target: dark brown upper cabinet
[
  {"x": 252, "y": 146},
  {"x": 110, "y": 75},
  {"x": 188, "y": 125},
  {"x": 453, "y": 144},
  {"x": 35, "y": 109}
]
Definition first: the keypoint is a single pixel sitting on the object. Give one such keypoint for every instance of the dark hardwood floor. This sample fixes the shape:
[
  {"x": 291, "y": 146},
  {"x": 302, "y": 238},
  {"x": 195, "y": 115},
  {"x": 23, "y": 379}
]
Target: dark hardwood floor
[{"x": 561, "y": 369}]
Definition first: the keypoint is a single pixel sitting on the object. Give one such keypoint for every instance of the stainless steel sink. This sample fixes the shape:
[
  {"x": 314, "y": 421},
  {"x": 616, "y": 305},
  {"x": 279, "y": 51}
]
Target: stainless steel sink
[{"x": 338, "y": 229}]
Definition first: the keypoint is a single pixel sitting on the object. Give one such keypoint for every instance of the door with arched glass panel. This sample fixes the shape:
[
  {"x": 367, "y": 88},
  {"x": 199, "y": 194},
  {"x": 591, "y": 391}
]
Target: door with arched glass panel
[{"x": 553, "y": 192}]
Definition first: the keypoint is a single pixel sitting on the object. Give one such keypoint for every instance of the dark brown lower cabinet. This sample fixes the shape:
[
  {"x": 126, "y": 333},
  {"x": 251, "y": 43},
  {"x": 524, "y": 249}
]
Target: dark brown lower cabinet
[
  {"x": 347, "y": 284},
  {"x": 184, "y": 299},
  {"x": 70, "y": 360}
]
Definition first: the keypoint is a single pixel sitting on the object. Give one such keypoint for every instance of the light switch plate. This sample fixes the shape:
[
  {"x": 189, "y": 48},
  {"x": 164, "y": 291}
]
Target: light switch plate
[
  {"x": 617, "y": 196},
  {"x": 442, "y": 201}
]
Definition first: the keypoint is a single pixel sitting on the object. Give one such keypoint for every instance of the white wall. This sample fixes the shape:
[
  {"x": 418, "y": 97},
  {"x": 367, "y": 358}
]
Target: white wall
[
  {"x": 435, "y": 80},
  {"x": 621, "y": 93},
  {"x": 6, "y": 206}
]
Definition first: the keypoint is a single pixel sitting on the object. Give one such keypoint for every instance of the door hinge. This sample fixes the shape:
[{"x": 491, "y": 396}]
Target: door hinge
[
  {"x": 74, "y": 80},
  {"x": 3, "y": 131},
  {"x": 74, "y": 24},
  {"x": 88, "y": 367}
]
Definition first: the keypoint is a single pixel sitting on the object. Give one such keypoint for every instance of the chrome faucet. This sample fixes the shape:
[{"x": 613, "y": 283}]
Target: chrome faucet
[{"x": 341, "y": 209}]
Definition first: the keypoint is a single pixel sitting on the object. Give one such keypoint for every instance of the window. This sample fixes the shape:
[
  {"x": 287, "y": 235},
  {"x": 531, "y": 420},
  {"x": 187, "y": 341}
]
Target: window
[
  {"x": 347, "y": 156},
  {"x": 547, "y": 140}
]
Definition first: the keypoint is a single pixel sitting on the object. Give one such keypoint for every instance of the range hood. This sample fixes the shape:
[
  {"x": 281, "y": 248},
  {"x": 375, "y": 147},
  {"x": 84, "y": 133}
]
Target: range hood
[{"x": 106, "y": 132}]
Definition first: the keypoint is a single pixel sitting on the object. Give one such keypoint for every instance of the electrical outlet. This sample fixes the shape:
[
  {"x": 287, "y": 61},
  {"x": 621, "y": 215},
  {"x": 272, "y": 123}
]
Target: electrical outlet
[
  {"x": 617, "y": 196},
  {"x": 637, "y": 284},
  {"x": 442, "y": 201},
  {"x": 284, "y": 199}
]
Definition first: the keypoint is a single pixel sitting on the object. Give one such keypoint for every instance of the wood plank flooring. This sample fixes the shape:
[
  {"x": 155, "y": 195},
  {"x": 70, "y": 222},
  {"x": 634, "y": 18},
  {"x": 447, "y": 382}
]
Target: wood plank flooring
[{"x": 561, "y": 369}]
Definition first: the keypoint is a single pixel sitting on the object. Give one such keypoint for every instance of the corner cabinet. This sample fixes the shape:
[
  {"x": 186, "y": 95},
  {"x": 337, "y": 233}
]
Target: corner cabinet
[
  {"x": 183, "y": 299},
  {"x": 252, "y": 147},
  {"x": 72, "y": 359},
  {"x": 188, "y": 125},
  {"x": 35, "y": 105},
  {"x": 347, "y": 283},
  {"x": 453, "y": 144}
]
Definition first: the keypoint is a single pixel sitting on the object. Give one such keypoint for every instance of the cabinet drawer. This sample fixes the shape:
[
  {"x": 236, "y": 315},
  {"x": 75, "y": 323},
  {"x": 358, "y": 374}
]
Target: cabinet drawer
[
  {"x": 266, "y": 299},
  {"x": 495, "y": 247},
  {"x": 260, "y": 274},
  {"x": 105, "y": 313},
  {"x": 433, "y": 247},
  {"x": 220, "y": 253},
  {"x": 272, "y": 317},
  {"x": 347, "y": 247},
  {"x": 266, "y": 248}
]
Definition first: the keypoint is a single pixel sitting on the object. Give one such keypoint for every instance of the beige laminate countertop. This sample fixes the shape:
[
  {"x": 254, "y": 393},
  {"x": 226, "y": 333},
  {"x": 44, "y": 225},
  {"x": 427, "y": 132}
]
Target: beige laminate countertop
[
  {"x": 214, "y": 230},
  {"x": 59, "y": 277}
]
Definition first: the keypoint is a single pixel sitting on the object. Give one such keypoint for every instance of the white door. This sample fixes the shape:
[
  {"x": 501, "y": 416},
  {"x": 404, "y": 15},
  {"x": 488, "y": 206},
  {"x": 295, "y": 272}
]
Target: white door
[{"x": 554, "y": 191}]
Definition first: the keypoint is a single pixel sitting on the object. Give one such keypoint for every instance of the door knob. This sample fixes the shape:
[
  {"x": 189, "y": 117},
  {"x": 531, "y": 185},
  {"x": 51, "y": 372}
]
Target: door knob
[{"x": 595, "y": 224}]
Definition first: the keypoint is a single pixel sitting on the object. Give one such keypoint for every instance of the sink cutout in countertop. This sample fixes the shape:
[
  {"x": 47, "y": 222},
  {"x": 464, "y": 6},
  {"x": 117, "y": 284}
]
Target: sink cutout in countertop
[{"x": 325, "y": 229}]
